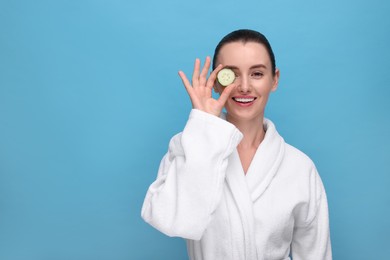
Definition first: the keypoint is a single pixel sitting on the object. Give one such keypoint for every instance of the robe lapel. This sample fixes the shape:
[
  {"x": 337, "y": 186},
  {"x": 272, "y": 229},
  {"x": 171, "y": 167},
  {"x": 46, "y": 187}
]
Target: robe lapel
[
  {"x": 235, "y": 179},
  {"x": 266, "y": 161}
]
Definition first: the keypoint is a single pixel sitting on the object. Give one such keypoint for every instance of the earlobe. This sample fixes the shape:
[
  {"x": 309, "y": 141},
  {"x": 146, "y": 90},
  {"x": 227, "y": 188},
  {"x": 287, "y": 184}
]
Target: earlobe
[{"x": 276, "y": 79}]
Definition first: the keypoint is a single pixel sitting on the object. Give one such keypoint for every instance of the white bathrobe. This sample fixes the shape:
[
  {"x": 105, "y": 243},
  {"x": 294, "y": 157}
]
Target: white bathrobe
[{"x": 279, "y": 208}]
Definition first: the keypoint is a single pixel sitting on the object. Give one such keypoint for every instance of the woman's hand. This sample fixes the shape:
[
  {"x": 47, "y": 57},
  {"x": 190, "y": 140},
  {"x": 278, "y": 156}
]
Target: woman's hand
[{"x": 201, "y": 89}]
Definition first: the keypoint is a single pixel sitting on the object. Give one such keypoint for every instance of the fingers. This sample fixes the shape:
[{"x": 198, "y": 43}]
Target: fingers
[
  {"x": 199, "y": 92},
  {"x": 213, "y": 76},
  {"x": 205, "y": 70},
  {"x": 186, "y": 83},
  {"x": 226, "y": 93},
  {"x": 195, "y": 74}
]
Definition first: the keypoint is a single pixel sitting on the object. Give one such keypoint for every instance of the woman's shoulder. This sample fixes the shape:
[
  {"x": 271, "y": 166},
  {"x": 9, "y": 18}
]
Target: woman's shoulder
[
  {"x": 291, "y": 153},
  {"x": 298, "y": 161},
  {"x": 298, "y": 154}
]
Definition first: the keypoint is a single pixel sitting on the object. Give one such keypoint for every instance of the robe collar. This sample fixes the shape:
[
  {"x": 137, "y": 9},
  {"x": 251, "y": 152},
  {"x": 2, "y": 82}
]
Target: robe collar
[{"x": 265, "y": 162}]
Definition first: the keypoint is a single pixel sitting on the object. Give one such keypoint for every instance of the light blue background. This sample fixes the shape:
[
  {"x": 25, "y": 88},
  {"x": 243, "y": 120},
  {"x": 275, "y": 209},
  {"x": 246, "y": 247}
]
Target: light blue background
[{"x": 89, "y": 98}]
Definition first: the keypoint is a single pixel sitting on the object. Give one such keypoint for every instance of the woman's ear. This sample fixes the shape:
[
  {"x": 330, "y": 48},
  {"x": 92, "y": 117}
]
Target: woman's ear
[{"x": 275, "y": 80}]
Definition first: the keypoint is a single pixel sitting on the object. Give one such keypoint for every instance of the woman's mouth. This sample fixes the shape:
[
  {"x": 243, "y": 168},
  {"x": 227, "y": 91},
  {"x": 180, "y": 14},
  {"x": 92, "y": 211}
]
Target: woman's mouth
[{"x": 244, "y": 101}]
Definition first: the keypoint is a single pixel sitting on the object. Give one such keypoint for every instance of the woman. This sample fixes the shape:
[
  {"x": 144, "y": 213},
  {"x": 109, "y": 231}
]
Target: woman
[{"x": 229, "y": 184}]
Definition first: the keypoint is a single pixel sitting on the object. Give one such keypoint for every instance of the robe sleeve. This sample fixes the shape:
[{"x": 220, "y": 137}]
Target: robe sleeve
[
  {"x": 189, "y": 184},
  {"x": 311, "y": 237}
]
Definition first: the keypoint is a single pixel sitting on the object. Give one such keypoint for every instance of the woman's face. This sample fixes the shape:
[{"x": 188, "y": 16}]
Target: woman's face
[{"x": 255, "y": 81}]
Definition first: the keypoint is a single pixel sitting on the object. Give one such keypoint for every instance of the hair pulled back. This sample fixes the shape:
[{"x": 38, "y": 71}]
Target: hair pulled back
[{"x": 244, "y": 36}]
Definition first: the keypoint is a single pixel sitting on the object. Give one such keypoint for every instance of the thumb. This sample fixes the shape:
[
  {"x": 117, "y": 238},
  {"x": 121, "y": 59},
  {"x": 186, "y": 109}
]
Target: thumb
[{"x": 226, "y": 93}]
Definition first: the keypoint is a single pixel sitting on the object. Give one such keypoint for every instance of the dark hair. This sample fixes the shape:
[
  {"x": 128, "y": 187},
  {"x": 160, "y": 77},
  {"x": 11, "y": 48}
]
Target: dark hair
[{"x": 244, "y": 36}]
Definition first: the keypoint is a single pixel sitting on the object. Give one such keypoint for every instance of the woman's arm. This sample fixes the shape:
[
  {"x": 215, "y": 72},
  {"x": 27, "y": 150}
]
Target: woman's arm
[{"x": 191, "y": 175}]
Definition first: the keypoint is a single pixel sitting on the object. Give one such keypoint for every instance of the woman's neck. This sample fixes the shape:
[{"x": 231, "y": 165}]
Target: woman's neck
[{"x": 252, "y": 130}]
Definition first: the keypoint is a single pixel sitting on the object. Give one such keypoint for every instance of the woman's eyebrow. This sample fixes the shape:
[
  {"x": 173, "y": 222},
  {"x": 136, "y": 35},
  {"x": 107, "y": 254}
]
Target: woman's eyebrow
[
  {"x": 256, "y": 66},
  {"x": 230, "y": 67}
]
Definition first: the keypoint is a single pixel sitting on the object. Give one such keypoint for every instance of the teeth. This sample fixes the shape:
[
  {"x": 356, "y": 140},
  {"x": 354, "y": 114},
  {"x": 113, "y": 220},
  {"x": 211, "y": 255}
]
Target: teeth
[{"x": 244, "y": 100}]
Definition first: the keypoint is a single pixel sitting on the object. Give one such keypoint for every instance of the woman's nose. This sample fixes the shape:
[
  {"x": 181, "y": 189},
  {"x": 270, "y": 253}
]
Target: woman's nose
[{"x": 243, "y": 84}]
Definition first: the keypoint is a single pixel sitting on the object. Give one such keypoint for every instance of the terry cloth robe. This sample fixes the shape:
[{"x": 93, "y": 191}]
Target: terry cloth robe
[{"x": 276, "y": 210}]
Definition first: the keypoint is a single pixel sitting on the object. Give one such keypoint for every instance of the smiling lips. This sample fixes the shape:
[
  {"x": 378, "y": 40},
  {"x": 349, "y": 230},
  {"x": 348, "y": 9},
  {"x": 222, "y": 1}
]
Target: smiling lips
[{"x": 244, "y": 101}]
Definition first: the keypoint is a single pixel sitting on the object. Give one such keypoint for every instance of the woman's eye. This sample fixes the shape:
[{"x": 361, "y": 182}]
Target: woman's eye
[{"x": 257, "y": 74}]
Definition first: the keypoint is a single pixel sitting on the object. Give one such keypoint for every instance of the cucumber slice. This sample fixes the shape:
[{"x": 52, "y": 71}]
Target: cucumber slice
[{"x": 226, "y": 77}]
